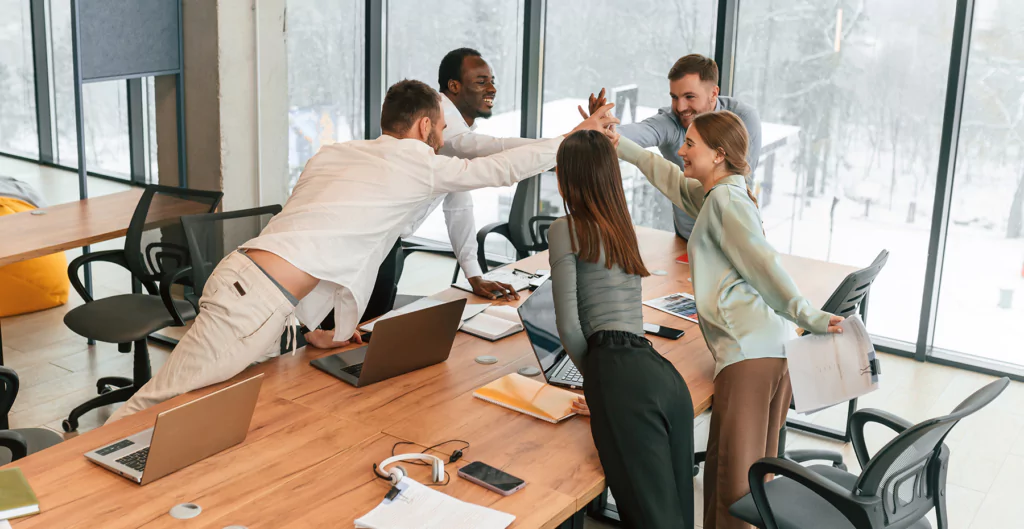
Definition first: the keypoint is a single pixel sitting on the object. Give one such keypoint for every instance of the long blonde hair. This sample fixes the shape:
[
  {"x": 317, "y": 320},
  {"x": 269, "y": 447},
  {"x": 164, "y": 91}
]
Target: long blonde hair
[{"x": 725, "y": 132}]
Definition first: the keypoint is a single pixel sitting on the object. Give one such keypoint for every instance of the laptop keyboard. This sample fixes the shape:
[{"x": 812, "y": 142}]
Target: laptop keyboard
[
  {"x": 136, "y": 460},
  {"x": 107, "y": 450},
  {"x": 572, "y": 375},
  {"x": 355, "y": 370}
]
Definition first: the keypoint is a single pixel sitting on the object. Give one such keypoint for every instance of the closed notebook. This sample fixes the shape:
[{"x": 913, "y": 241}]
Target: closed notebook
[
  {"x": 525, "y": 395},
  {"x": 16, "y": 496},
  {"x": 494, "y": 323}
]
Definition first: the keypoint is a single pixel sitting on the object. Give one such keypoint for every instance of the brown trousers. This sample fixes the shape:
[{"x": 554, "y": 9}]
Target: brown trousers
[{"x": 749, "y": 407}]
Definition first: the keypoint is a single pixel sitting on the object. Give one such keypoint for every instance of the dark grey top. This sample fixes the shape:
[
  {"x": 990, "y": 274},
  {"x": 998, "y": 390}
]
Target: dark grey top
[
  {"x": 589, "y": 297},
  {"x": 664, "y": 131}
]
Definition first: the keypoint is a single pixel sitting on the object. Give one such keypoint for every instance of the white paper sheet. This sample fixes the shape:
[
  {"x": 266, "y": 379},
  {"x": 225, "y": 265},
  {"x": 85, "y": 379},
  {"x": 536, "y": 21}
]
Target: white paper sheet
[
  {"x": 829, "y": 369},
  {"x": 4, "y": 524},
  {"x": 421, "y": 507},
  {"x": 471, "y": 309}
]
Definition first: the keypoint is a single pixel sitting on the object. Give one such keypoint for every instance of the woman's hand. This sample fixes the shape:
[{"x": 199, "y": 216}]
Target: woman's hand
[
  {"x": 833, "y": 324},
  {"x": 579, "y": 406},
  {"x": 322, "y": 339}
]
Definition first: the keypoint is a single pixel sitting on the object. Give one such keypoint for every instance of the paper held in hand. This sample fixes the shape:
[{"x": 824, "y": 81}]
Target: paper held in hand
[{"x": 828, "y": 369}]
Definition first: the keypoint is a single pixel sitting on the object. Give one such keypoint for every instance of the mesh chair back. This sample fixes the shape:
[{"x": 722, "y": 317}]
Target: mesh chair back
[
  {"x": 212, "y": 236},
  {"x": 155, "y": 242},
  {"x": 852, "y": 293},
  {"x": 904, "y": 472},
  {"x": 524, "y": 206}
]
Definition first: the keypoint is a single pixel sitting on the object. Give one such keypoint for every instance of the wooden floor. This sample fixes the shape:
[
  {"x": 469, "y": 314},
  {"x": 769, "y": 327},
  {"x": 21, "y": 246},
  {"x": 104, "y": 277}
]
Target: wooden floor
[{"x": 58, "y": 371}]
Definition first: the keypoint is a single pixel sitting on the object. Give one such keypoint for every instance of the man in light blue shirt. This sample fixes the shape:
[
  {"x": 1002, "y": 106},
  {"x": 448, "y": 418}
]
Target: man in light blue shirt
[{"x": 693, "y": 85}]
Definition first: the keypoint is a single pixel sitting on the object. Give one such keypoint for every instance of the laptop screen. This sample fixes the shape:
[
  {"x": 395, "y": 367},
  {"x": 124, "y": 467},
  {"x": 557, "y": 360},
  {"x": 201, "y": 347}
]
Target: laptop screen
[{"x": 538, "y": 315}]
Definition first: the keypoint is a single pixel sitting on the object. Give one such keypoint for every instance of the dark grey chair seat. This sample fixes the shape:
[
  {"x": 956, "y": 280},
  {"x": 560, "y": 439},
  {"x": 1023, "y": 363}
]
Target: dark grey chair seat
[
  {"x": 797, "y": 507},
  {"x": 36, "y": 438},
  {"x": 125, "y": 318}
]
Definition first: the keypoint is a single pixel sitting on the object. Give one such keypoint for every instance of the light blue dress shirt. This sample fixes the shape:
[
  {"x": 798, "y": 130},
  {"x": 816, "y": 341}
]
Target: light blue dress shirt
[{"x": 744, "y": 296}]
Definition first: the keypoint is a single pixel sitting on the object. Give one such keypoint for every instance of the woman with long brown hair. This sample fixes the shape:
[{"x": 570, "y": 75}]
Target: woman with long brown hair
[
  {"x": 640, "y": 407},
  {"x": 744, "y": 299}
]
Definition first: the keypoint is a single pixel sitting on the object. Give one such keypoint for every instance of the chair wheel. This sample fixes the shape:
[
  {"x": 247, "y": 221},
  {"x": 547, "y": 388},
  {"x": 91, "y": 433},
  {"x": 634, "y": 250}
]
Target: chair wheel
[
  {"x": 69, "y": 426},
  {"x": 696, "y": 470}
]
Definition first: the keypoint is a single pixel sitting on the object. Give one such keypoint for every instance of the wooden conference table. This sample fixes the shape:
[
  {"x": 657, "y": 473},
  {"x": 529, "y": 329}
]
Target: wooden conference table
[{"x": 307, "y": 461}]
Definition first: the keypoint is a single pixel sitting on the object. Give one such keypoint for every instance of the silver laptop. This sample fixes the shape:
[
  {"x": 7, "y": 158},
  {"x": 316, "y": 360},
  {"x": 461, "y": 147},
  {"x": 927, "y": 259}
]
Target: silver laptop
[
  {"x": 538, "y": 315},
  {"x": 183, "y": 435},
  {"x": 399, "y": 345}
]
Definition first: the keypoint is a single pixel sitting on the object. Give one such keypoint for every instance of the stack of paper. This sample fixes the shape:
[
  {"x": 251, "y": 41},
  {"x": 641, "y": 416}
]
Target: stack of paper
[
  {"x": 420, "y": 507},
  {"x": 828, "y": 369}
]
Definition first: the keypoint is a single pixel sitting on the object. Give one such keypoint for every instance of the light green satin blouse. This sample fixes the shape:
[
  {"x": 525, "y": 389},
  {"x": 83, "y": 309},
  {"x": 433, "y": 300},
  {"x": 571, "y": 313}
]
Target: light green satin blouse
[{"x": 744, "y": 296}]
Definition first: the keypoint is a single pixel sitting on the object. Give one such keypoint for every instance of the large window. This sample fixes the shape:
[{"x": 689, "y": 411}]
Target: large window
[
  {"x": 983, "y": 271},
  {"x": 17, "y": 88},
  {"x": 325, "y": 81},
  {"x": 421, "y": 32},
  {"x": 626, "y": 48},
  {"x": 104, "y": 105},
  {"x": 851, "y": 94}
]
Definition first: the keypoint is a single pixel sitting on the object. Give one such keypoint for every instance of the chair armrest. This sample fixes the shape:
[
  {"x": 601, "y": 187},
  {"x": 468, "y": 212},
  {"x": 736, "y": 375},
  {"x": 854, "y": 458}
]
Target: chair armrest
[
  {"x": 14, "y": 442},
  {"x": 107, "y": 256},
  {"x": 183, "y": 276},
  {"x": 539, "y": 227},
  {"x": 501, "y": 228},
  {"x": 851, "y": 506},
  {"x": 8, "y": 390},
  {"x": 861, "y": 418},
  {"x": 803, "y": 456}
]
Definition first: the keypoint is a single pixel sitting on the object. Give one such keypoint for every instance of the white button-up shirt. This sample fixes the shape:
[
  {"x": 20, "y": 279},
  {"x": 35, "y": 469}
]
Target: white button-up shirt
[
  {"x": 353, "y": 200},
  {"x": 461, "y": 142}
]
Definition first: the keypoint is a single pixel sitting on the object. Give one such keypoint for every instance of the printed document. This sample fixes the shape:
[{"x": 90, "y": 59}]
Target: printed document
[
  {"x": 420, "y": 507},
  {"x": 828, "y": 369}
]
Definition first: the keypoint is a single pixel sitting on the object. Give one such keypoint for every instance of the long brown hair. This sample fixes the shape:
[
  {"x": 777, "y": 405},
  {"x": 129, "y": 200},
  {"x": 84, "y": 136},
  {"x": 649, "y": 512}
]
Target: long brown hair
[
  {"x": 595, "y": 204},
  {"x": 725, "y": 132}
]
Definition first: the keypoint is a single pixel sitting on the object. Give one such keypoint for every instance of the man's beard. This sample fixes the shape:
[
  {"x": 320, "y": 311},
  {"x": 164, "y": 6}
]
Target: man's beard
[
  {"x": 434, "y": 141},
  {"x": 484, "y": 113}
]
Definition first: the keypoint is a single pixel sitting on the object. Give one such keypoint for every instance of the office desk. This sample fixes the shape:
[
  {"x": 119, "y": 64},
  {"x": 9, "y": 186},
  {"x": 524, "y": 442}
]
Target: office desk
[{"x": 307, "y": 460}]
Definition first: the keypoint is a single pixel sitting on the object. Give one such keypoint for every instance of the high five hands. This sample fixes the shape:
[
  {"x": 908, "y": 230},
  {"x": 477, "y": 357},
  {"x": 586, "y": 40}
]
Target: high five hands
[{"x": 597, "y": 104}]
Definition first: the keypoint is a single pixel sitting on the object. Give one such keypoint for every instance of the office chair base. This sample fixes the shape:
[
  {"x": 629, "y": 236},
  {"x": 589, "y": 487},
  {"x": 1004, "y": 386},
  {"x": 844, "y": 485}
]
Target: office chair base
[{"x": 121, "y": 394}]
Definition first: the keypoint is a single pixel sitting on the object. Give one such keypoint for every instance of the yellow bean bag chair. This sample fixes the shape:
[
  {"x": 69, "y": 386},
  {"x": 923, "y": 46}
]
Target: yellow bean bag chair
[{"x": 35, "y": 284}]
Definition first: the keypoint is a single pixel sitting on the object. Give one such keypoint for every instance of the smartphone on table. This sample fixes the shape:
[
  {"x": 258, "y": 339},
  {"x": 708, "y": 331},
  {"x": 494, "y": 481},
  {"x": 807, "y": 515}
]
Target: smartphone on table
[
  {"x": 491, "y": 478},
  {"x": 663, "y": 331}
]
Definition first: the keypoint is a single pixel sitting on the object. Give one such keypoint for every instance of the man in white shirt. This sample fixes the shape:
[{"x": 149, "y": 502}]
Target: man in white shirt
[
  {"x": 323, "y": 250},
  {"x": 468, "y": 89}
]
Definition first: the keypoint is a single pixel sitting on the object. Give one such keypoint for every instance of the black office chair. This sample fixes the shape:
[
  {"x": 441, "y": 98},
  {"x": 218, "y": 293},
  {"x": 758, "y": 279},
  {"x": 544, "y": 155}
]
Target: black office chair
[
  {"x": 16, "y": 444},
  {"x": 527, "y": 232},
  {"x": 899, "y": 485},
  {"x": 154, "y": 248},
  {"x": 851, "y": 297}
]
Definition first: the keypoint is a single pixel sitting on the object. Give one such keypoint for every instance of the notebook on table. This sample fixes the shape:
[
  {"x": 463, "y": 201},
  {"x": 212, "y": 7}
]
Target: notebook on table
[
  {"x": 680, "y": 304},
  {"x": 17, "y": 498},
  {"x": 530, "y": 397},
  {"x": 494, "y": 323}
]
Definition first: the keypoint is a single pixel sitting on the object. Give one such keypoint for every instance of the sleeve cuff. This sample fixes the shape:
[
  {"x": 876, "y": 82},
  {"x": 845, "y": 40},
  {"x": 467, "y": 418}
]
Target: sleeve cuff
[{"x": 471, "y": 268}]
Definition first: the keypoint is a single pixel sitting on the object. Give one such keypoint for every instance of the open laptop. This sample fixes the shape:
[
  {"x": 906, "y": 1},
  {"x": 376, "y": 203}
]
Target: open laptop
[
  {"x": 400, "y": 344},
  {"x": 538, "y": 315},
  {"x": 183, "y": 435}
]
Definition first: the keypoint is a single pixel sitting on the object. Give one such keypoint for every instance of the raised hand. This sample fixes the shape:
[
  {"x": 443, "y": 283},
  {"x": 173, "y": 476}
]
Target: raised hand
[
  {"x": 599, "y": 120},
  {"x": 597, "y": 102}
]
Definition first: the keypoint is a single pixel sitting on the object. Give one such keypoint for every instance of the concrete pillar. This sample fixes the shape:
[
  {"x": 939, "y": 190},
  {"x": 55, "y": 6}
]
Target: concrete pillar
[{"x": 231, "y": 143}]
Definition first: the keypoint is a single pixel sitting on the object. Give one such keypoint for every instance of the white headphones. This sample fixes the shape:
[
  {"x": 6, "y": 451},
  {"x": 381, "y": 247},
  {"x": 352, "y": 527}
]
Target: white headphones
[{"x": 396, "y": 474}]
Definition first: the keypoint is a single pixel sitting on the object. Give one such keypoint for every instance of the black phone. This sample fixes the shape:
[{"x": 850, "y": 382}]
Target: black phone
[
  {"x": 664, "y": 332},
  {"x": 491, "y": 478}
]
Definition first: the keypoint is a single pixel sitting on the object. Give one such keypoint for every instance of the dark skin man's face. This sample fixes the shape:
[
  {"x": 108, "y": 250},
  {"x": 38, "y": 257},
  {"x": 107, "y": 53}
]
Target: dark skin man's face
[{"x": 474, "y": 96}]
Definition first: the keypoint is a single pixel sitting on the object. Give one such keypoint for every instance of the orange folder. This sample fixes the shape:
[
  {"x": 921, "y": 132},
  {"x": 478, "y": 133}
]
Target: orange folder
[{"x": 525, "y": 395}]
